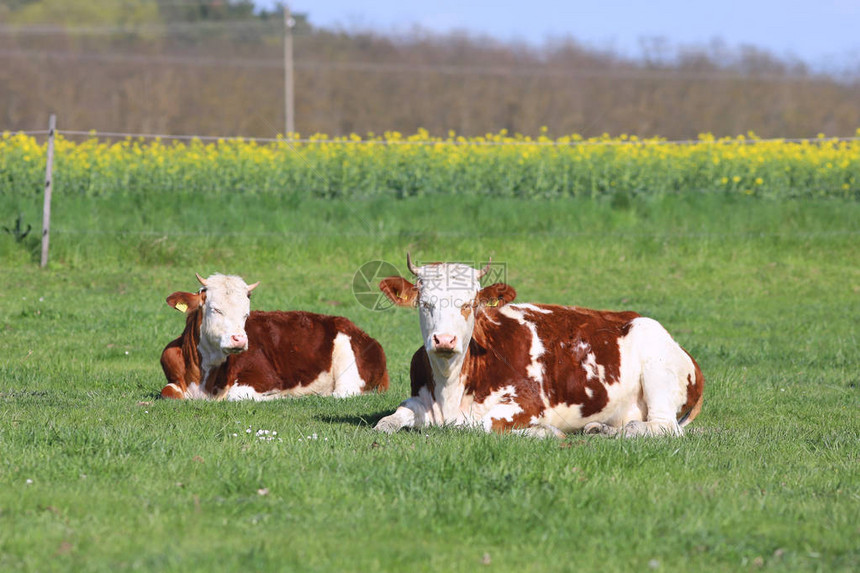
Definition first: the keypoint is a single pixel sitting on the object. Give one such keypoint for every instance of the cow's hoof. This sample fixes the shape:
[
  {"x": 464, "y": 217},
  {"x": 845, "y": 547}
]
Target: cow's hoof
[
  {"x": 553, "y": 432},
  {"x": 635, "y": 429},
  {"x": 387, "y": 425},
  {"x": 599, "y": 429},
  {"x": 546, "y": 431}
]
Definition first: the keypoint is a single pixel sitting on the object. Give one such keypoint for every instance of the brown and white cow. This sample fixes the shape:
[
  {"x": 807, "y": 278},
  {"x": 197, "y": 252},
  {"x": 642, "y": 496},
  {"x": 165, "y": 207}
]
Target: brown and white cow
[
  {"x": 228, "y": 352},
  {"x": 537, "y": 369}
]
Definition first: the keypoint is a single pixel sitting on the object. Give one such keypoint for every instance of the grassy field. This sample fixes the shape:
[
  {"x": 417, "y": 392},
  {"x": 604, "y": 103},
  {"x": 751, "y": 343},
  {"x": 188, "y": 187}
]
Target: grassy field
[{"x": 96, "y": 474}]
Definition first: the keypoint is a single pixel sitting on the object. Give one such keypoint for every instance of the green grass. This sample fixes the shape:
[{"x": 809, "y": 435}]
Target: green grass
[{"x": 764, "y": 294}]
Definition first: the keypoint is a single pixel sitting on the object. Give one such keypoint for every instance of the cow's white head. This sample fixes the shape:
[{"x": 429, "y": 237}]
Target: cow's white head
[
  {"x": 448, "y": 296},
  {"x": 226, "y": 304}
]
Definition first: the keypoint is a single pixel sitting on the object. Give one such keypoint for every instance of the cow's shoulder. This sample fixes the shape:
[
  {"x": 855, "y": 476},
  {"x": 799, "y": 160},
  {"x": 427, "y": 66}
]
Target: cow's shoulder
[
  {"x": 496, "y": 327},
  {"x": 500, "y": 353}
]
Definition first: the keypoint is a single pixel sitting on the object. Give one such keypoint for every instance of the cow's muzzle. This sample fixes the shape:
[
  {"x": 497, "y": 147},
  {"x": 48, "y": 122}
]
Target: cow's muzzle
[
  {"x": 236, "y": 343},
  {"x": 445, "y": 343}
]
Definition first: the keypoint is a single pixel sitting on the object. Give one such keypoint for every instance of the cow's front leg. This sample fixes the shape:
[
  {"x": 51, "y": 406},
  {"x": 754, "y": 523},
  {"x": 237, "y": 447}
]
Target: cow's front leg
[
  {"x": 173, "y": 391},
  {"x": 409, "y": 414}
]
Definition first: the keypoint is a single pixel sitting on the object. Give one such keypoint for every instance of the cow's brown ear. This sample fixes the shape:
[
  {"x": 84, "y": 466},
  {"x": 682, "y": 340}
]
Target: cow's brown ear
[
  {"x": 498, "y": 294},
  {"x": 399, "y": 291},
  {"x": 184, "y": 301}
]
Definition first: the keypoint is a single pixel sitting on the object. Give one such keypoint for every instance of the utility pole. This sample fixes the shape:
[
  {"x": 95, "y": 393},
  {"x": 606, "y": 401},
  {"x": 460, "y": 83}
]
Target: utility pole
[{"x": 289, "y": 105}]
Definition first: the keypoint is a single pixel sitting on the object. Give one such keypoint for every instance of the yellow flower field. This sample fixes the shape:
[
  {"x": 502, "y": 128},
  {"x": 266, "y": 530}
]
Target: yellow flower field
[{"x": 392, "y": 164}]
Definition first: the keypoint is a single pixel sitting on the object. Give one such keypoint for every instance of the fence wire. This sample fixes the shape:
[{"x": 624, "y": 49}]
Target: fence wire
[
  {"x": 448, "y": 141},
  {"x": 467, "y": 234}
]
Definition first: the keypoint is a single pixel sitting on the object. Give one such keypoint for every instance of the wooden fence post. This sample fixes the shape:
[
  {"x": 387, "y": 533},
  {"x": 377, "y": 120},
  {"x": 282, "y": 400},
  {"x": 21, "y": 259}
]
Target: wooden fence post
[
  {"x": 289, "y": 104},
  {"x": 49, "y": 183}
]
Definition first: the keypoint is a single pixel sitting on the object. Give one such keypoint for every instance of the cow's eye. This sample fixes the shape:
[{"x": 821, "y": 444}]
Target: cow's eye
[
  {"x": 426, "y": 305},
  {"x": 217, "y": 311}
]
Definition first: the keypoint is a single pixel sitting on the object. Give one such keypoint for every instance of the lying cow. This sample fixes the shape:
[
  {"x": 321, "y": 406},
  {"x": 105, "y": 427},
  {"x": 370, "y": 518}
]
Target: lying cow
[
  {"x": 537, "y": 369},
  {"x": 228, "y": 352}
]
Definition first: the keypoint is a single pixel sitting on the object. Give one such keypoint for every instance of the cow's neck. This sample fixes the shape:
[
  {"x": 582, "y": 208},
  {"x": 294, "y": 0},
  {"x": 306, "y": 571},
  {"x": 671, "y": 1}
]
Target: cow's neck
[
  {"x": 210, "y": 357},
  {"x": 190, "y": 347},
  {"x": 448, "y": 386}
]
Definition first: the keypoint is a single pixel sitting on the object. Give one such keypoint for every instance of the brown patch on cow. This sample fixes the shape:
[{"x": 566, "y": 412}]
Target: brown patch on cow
[
  {"x": 466, "y": 310},
  {"x": 502, "y": 360},
  {"x": 570, "y": 335},
  {"x": 527, "y": 398},
  {"x": 478, "y": 338},
  {"x": 500, "y": 426},
  {"x": 695, "y": 395}
]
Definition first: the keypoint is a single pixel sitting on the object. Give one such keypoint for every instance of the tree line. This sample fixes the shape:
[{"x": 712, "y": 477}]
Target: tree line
[{"x": 216, "y": 68}]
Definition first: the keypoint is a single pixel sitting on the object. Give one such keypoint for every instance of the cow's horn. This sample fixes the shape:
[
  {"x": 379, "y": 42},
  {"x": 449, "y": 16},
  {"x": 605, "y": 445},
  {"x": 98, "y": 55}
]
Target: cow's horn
[
  {"x": 412, "y": 268},
  {"x": 252, "y": 287},
  {"x": 200, "y": 279},
  {"x": 486, "y": 269}
]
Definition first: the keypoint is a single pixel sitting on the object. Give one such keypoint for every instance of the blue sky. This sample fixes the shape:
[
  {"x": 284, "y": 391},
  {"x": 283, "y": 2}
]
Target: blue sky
[{"x": 824, "y": 33}]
